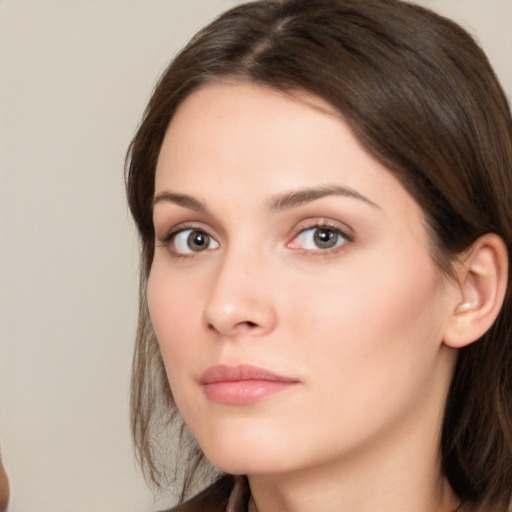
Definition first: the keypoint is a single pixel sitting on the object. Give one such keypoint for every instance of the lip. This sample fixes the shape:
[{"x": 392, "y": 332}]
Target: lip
[{"x": 242, "y": 384}]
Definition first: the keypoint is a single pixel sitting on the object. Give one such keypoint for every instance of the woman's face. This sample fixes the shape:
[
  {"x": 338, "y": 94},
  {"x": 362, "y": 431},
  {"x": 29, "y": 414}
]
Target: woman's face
[{"x": 299, "y": 313}]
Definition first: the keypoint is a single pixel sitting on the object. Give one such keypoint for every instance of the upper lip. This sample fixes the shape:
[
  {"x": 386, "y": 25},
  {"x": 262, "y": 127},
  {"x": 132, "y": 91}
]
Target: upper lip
[{"x": 226, "y": 373}]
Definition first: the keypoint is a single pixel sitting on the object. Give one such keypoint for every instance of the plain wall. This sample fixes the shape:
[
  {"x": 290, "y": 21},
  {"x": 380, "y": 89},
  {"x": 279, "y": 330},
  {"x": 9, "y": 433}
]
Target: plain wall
[{"x": 74, "y": 79}]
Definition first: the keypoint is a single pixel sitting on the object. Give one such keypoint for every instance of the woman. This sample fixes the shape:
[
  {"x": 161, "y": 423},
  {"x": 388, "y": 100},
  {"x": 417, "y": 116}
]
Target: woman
[{"x": 322, "y": 191}]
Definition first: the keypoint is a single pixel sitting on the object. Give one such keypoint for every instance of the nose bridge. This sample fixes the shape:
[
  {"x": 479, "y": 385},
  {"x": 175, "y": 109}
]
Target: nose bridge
[{"x": 240, "y": 299}]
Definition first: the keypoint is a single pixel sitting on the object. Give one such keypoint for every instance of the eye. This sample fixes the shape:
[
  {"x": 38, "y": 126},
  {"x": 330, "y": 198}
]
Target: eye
[
  {"x": 188, "y": 241},
  {"x": 320, "y": 238}
]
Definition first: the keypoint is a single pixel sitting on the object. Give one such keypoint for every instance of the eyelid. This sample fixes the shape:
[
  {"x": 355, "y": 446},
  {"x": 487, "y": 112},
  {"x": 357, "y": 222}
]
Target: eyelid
[
  {"x": 323, "y": 222},
  {"x": 166, "y": 240},
  {"x": 170, "y": 217},
  {"x": 165, "y": 235},
  {"x": 341, "y": 229}
]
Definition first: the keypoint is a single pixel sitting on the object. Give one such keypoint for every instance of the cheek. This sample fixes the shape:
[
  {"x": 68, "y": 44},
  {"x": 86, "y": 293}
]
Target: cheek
[
  {"x": 174, "y": 311},
  {"x": 378, "y": 322},
  {"x": 369, "y": 347}
]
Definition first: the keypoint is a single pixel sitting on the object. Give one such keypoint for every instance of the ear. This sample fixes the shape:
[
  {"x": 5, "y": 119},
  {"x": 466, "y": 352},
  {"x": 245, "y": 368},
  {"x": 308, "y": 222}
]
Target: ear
[{"x": 482, "y": 274}]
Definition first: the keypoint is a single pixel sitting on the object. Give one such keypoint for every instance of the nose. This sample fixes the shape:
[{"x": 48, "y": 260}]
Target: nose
[{"x": 241, "y": 299}]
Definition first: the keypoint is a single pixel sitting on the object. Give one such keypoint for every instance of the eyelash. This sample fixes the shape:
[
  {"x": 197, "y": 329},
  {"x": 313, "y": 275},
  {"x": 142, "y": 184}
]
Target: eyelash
[
  {"x": 325, "y": 226},
  {"x": 169, "y": 239}
]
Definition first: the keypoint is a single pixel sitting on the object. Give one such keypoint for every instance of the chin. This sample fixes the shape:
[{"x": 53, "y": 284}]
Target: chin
[
  {"x": 245, "y": 457},
  {"x": 240, "y": 465}
]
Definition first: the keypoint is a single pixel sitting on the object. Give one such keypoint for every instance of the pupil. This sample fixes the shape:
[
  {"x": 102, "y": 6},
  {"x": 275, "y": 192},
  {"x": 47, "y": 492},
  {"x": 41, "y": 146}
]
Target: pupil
[
  {"x": 197, "y": 241},
  {"x": 325, "y": 238}
]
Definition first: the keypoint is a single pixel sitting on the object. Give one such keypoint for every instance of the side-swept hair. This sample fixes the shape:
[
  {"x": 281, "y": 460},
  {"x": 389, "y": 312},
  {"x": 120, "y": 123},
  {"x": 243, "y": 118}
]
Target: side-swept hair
[{"x": 421, "y": 97}]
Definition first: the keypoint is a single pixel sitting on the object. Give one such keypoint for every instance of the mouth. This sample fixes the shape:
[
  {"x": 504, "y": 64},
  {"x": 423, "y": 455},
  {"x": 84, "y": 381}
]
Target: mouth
[{"x": 242, "y": 384}]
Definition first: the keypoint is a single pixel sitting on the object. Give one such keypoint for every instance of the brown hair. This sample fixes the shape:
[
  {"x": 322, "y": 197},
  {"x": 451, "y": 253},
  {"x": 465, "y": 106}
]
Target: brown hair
[{"x": 421, "y": 97}]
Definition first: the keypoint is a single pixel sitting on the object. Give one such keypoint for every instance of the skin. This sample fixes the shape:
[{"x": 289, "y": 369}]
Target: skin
[{"x": 358, "y": 326}]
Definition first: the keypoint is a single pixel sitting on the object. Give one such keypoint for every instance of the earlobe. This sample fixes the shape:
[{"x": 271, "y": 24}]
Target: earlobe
[{"x": 482, "y": 275}]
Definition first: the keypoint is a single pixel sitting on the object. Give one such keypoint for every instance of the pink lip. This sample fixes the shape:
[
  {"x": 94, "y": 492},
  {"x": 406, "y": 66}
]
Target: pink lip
[{"x": 242, "y": 384}]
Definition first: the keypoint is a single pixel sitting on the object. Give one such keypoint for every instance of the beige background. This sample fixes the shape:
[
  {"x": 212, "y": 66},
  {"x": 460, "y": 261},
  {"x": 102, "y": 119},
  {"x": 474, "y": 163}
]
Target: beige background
[{"x": 74, "y": 79}]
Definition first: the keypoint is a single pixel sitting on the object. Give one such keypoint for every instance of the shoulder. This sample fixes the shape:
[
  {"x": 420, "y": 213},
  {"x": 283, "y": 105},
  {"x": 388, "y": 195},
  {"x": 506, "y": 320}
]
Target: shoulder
[{"x": 213, "y": 499}]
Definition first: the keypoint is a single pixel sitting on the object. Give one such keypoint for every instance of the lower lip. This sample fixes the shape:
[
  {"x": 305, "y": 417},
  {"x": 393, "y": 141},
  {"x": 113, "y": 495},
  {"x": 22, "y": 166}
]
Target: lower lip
[{"x": 244, "y": 391}]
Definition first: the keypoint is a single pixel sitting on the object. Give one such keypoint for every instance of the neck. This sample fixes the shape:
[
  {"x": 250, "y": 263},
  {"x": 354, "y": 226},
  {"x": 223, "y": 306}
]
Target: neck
[
  {"x": 399, "y": 483},
  {"x": 332, "y": 492}
]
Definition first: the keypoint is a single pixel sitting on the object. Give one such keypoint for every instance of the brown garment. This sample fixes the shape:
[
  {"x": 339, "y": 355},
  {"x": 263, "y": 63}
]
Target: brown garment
[
  {"x": 228, "y": 494},
  {"x": 4, "y": 488}
]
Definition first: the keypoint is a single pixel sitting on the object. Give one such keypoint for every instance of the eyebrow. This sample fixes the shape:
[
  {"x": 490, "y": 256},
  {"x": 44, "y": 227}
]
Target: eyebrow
[
  {"x": 282, "y": 201},
  {"x": 181, "y": 200},
  {"x": 294, "y": 198}
]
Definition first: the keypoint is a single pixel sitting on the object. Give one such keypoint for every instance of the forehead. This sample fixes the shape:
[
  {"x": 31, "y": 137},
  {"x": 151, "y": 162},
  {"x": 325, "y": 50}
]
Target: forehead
[{"x": 259, "y": 141}]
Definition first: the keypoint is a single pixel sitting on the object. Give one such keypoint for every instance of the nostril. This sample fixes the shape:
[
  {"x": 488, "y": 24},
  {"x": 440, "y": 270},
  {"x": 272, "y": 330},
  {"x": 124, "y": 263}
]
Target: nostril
[
  {"x": 236, "y": 327},
  {"x": 211, "y": 327}
]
